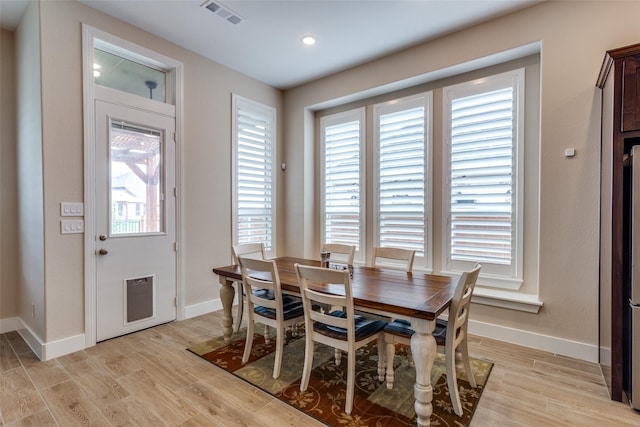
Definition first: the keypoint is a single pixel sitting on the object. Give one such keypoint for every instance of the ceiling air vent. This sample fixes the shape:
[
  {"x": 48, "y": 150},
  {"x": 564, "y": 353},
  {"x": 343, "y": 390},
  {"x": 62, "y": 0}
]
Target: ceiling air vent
[{"x": 223, "y": 11}]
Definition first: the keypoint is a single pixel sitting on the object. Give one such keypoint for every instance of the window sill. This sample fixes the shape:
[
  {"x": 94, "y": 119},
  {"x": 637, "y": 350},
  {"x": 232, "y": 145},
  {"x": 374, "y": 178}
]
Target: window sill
[
  {"x": 510, "y": 299},
  {"x": 495, "y": 281},
  {"x": 505, "y": 299}
]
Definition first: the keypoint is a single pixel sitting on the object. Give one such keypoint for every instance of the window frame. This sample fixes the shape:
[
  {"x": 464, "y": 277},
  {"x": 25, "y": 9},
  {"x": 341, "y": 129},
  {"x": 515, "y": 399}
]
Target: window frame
[
  {"x": 267, "y": 112},
  {"x": 359, "y": 115},
  {"x": 424, "y": 100},
  {"x": 500, "y": 276}
]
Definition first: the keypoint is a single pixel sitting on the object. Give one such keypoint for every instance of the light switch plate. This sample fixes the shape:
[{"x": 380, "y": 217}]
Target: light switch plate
[
  {"x": 71, "y": 209},
  {"x": 71, "y": 226}
]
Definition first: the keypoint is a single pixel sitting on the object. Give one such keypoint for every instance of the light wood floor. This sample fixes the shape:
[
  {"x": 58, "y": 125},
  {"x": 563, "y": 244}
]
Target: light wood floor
[{"x": 149, "y": 379}]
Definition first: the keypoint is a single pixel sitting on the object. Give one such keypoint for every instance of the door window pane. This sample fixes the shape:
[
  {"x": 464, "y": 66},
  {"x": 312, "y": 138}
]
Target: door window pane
[{"x": 136, "y": 180}]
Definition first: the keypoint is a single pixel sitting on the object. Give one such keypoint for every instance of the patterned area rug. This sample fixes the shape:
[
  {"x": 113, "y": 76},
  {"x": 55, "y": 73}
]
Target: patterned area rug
[{"x": 374, "y": 404}]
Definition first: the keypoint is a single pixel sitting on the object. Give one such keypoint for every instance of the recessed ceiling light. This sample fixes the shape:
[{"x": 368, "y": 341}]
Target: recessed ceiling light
[{"x": 309, "y": 40}]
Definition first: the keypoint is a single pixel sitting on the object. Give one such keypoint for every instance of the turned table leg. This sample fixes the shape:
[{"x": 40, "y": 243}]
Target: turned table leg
[
  {"x": 226, "y": 296},
  {"x": 423, "y": 348}
]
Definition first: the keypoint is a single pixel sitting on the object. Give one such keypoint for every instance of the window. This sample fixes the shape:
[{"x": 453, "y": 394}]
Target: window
[
  {"x": 466, "y": 171},
  {"x": 400, "y": 142},
  {"x": 253, "y": 206},
  {"x": 341, "y": 193},
  {"x": 123, "y": 72},
  {"x": 483, "y": 193}
]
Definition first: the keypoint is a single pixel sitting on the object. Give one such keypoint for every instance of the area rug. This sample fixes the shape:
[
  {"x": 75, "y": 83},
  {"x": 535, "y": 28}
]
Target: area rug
[{"x": 374, "y": 404}]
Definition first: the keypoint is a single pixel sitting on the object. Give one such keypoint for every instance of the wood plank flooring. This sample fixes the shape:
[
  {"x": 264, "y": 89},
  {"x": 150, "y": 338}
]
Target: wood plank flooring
[{"x": 149, "y": 379}]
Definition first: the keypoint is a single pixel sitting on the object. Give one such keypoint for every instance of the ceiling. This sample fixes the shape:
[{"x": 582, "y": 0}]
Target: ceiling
[{"x": 266, "y": 44}]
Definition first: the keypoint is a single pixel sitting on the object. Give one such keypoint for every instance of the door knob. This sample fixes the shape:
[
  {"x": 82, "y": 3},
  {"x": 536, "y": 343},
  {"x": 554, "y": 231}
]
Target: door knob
[
  {"x": 102, "y": 237},
  {"x": 103, "y": 251}
]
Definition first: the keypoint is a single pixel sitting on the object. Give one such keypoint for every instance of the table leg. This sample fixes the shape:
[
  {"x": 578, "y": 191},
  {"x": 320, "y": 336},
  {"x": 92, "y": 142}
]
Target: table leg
[
  {"x": 226, "y": 296},
  {"x": 423, "y": 348}
]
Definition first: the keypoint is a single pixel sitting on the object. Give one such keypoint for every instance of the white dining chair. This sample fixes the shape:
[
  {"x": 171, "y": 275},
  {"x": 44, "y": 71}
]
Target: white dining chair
[
  {"x": 340, "y": 253},
  {"x": 248, "y": 250},
  {"x": 268, "y": 305},
  {"x": 450, "y": 336},
  {"x": 393, "y": 258},
  {"x": 341, "y": 329}
]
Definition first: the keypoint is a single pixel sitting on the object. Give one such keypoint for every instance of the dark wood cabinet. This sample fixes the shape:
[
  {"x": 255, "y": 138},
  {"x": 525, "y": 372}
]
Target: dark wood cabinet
[
  {"x": 619, "y": 81},
  {"x": 631, "y": 94}
]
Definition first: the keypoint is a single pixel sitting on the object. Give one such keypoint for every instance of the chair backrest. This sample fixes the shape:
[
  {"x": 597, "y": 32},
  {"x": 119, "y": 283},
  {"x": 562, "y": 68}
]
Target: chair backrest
[
  {"x": 248, "y": 250},
  {"x": 459, "y": 309},
  {"x": 312, "y": 281},
  {"x": 394, "y": 258},
  {"x": 260, "y": 274},
  {"x": 340, "y": 253}
]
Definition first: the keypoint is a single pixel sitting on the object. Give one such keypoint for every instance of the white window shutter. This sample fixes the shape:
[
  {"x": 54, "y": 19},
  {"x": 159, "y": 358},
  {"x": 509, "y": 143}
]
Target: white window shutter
[
  {"x": 341, "y": 179},
  {"x": 484, "y": 206},
  {"x": 401, "y": 179},
  {"x": 254, "y": 199},
  {"x": 481, "y": 177}
]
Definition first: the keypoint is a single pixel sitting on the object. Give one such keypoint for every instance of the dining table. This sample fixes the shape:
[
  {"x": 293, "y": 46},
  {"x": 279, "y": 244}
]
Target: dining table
[{"x": 418, "y": 297}]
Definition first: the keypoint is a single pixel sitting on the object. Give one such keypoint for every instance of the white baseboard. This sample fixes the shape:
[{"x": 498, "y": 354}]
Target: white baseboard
[
  {"x": 605, "y": 357},
  {"x": 31, "y": 338},
  {"x": 561, "y": 346},
  {"x": 575, "y": 349},
  {"x": 51, "y": 350},
  {"x": 10, "y": 324},
  {"x": 67, "y": 345},
  {"x": 202, "y": 308},
  {"x": 44, "y": 351}
]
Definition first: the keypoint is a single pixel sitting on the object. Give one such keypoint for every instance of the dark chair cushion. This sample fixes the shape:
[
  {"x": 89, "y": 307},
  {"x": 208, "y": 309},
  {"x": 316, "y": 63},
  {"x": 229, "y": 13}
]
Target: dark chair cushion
[
  {"x": 402, "y": 328},
  {"x": 291, "y": 306},
  {"x": 363, "y": 327},
  {"x": 264, "y": 293}
]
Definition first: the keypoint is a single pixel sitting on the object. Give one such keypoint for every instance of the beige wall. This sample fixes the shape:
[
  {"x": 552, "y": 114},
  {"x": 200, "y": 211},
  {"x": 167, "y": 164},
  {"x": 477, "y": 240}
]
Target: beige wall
[
  {"x": 30, "y": 185},
  {"x": 8, "y": 199},
  {"x": 574, "y": 37},
  {"x": 206, "y": 148}
]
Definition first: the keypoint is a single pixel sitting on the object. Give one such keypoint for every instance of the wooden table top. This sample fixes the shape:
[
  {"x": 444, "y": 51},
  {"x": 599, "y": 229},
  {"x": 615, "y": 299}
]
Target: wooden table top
[{"x": 419, "y": 295}]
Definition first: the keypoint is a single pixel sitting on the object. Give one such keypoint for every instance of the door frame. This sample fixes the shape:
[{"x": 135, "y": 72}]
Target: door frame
[{"x": 90, "y": 36}]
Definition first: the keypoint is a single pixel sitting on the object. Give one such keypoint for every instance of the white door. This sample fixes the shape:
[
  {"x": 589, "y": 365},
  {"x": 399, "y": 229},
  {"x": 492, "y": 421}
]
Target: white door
[{"x": 135, "y": 219}]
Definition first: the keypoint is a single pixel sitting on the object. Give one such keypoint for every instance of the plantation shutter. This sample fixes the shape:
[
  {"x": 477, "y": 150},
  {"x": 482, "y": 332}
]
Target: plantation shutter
[
  {"x": 401, "y": 173},
  {"x": 482, "y": 154},
  {"x": 342, "y": 183},
  {"x": 254, "y": 175}
]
